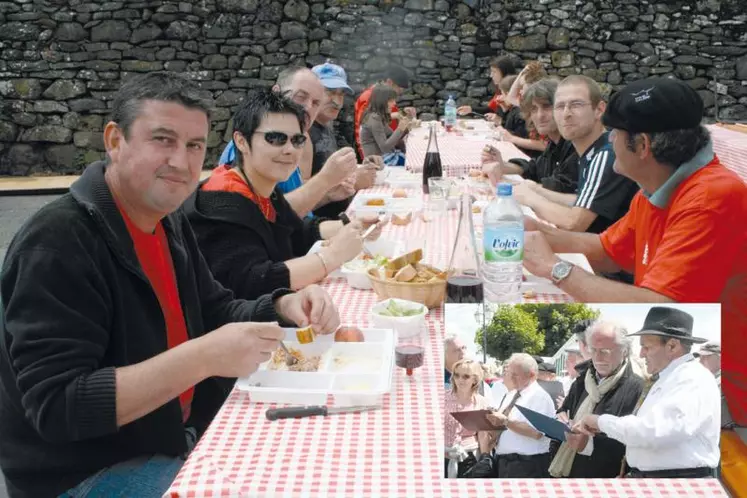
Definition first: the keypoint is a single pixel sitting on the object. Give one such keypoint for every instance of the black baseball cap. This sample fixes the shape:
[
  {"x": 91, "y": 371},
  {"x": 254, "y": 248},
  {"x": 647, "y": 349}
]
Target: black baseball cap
[
  {"x": 398, "y": 75},
  {"x": 654, "y": 105}
]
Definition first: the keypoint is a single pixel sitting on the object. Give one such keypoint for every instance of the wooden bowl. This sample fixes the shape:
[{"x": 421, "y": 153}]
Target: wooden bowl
[{"x": 429, "y": 294}]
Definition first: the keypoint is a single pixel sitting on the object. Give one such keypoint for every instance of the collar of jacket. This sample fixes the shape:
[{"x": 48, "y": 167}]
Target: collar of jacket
[{"x": 92, "y": 193}]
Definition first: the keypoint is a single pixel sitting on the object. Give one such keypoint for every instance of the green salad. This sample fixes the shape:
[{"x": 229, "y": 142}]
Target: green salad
[
  {"x": 360, "y": 264},
  {"x": 397, "y": 310}
]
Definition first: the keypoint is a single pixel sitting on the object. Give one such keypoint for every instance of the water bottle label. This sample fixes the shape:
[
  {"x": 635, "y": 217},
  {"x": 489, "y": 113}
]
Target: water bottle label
[{"x": 504, "y": 245}]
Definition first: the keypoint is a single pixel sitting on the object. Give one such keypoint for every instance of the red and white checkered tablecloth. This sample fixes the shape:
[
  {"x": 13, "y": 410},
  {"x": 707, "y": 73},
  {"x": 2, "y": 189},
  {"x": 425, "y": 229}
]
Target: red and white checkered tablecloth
[
  {"x": 731, "y": 148},
  {"x": 388, "y": 453},
  {"x": 460, "y": 151}
]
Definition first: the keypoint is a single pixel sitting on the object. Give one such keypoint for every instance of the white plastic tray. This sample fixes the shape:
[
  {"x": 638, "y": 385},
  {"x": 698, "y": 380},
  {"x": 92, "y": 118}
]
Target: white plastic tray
[
  {"x": 391, "y": 204},
  {"x": 363, "y": 376}
]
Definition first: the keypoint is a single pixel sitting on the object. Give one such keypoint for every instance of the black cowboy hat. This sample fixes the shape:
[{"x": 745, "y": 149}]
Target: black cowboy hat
[{"x": 669, "y": 322}]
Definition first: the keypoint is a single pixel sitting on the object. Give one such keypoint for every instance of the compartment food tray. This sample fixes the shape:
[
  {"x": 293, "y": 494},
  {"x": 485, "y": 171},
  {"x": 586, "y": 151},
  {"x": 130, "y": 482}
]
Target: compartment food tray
[{"x": 353, "y": 373}]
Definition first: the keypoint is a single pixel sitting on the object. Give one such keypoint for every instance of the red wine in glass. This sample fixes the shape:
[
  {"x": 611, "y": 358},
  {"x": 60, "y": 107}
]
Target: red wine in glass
[{"x": 464, "y": 289}]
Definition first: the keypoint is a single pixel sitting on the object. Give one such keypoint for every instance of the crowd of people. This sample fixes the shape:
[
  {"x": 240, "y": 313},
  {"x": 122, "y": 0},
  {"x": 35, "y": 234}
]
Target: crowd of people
[
  {"x": 132, "y": 303},
  {"x": 662, "y": 420}
]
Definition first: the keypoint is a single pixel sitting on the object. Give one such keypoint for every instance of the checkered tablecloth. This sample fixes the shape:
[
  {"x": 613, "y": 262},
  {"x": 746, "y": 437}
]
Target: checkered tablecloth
[
  {"x": 731, "y": 148},
  {"x": 460, "y": 150},
  {"x": 388, "y": 453}
]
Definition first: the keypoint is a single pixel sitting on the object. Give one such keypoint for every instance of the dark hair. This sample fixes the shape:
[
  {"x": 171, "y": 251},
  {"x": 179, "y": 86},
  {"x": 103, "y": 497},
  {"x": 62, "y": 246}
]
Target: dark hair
[
  {"x": 579, "y": 329},
  {"x": 379, "y": 103},
  {"x": 160, "y": 86},
  {"x": 543, "y": 91},
  {"x": 674, "y": 147},
  {"x": 398, "y": 75},
  {"x": 258, "y": 104},
  {"x": 505, "y": 64}
]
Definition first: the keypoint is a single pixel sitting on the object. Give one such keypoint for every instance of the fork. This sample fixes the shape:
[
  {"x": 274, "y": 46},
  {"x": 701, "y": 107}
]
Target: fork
[{"x": 290, "y": 360}]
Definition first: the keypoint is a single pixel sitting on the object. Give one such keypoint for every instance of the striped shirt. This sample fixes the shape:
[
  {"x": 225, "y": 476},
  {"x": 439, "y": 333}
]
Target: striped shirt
[{"x": 600, "y": 189}]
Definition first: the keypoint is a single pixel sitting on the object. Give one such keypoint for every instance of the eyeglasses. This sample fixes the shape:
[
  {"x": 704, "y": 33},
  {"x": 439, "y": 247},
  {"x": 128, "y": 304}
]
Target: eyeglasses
[
  {"x": 278, "y": 138},
  {"x": 574, "y": 106},
  {"x": 601, "y": 351}
]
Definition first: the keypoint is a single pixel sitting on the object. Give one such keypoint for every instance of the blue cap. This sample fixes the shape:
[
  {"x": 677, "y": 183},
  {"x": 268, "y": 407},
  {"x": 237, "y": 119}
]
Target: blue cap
[
  {"x": 332, "y": 76},
  {"x": 505, "y": 189}
]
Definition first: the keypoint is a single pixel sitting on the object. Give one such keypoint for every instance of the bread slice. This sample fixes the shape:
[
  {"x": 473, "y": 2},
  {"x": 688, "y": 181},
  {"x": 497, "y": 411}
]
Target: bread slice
[
  {"x": 406, "y": 274},
  {"x": 411, "y": 258}
]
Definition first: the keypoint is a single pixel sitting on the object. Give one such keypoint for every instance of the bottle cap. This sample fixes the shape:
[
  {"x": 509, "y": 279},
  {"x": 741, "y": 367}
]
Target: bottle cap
[{"x": 504, "y": 189}]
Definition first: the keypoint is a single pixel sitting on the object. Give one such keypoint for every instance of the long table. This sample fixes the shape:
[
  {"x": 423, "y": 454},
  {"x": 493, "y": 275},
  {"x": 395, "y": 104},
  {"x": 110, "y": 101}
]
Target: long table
[
  {"x": 731, "y": 148},
  {"x": 388, "y": 453},
  {"x": 460, "y": 149},
  {"x": 392, "y": 452}
]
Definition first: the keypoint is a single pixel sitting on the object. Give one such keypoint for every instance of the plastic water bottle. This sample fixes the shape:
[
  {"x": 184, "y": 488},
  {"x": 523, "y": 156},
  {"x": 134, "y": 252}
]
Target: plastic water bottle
[
  {"x": 450, "y": 114},
  {"x": 503, "y": 243}
]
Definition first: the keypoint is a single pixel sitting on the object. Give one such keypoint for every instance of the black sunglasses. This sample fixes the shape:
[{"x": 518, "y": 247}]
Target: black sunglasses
[{"x": 278, "y": 138}]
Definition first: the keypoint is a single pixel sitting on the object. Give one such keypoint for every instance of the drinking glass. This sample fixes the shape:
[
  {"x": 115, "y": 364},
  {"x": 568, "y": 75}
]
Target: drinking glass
[{"x": 439, "y": 196}]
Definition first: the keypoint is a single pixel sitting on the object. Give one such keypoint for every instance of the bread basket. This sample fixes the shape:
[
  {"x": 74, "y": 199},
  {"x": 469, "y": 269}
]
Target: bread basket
[{"x": 429, "y": 294}]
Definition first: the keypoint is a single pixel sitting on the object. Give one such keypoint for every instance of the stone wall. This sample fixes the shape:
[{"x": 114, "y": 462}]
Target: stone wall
[{"x": 61, "y": 61}]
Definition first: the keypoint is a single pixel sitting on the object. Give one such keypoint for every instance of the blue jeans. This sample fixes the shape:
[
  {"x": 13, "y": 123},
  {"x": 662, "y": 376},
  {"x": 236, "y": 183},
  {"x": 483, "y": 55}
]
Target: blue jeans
[{"x": 144, "y": 477}]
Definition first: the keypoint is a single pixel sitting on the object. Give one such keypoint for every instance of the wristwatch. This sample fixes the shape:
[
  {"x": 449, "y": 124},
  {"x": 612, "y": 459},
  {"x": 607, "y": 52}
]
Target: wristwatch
[
  {"x": 343, "y": 218},
  {"x": 560, "y": 271}
]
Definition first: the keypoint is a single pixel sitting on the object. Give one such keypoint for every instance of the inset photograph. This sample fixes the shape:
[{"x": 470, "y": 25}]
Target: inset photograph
[{"x": 582, "y": 391}]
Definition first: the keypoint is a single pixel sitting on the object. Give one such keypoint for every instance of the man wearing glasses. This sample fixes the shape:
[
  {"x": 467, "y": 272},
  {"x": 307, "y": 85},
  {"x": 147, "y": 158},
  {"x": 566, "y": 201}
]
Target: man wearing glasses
[
  {"x": 606, "y": 385},
  {"x": 603, "y": 196}
]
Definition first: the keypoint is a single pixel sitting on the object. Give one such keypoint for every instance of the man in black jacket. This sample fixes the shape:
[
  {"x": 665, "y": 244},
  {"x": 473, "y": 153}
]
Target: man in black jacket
[
  {"x": 117, "y": 346},
  {"x": 607, "y": 384},
  {"x": 556, "y": 168}
]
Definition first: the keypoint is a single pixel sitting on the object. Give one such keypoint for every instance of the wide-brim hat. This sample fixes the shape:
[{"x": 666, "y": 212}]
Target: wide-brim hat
[{"x": 669, "y": 322}]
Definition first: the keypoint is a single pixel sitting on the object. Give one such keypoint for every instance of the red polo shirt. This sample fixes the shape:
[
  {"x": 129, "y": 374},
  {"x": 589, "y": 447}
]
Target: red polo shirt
[
  {"x": 688, "y": 242},
  {"x": 154, "y": 255}
]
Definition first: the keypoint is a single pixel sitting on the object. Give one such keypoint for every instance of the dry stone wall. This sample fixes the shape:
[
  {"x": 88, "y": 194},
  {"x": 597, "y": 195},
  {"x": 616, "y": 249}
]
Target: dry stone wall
[{"x": 61, "y": 61}]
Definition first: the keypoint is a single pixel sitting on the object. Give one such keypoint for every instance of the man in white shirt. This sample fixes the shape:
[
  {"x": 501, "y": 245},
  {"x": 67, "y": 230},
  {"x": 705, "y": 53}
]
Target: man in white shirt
[
  {"x": 675, "y": 431},
  {"x": 522, "y": 451}
]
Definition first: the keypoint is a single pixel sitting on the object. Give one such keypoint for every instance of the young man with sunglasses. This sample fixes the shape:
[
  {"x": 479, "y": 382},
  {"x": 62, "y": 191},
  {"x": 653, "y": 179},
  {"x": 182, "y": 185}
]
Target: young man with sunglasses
[
  {"x": 117, "y": 344},
  {"x": 250, "y": 236},
  {"x": 304, "y": 191}
]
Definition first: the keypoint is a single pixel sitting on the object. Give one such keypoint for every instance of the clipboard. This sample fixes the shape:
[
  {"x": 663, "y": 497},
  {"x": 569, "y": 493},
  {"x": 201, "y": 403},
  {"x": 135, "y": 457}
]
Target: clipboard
[
  {"x": 550, "y": 427},
  {"x": 474, "y": 420}
]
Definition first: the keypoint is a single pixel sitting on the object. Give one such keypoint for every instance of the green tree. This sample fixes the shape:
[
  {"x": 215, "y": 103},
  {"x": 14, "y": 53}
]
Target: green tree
[
  {"x": 556, "y": 321},
  {"x": 512, "y": 330}
]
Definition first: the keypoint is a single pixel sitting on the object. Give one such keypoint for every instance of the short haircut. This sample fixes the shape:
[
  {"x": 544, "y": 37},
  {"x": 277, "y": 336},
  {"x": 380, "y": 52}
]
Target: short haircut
[
  {"x": 505, "y": 64},
  {"x": 286, "y": 76},
  {"x": 579, "y": 329},
  {"x": 595, "y": 91},
  {"x": 258, "y": 104},
  {"x": 543, "y": 91},
  {"x": 506, "y": 83},
  {"x": 524, "y": 361},
  {"x": 675, "y": 147},
  {"x": 161, "y": 86},
  {"x": 687, "y": 346}
]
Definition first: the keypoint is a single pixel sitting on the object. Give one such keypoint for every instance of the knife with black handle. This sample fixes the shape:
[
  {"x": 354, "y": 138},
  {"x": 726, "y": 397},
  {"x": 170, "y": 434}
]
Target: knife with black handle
[{"x": 312, "y": 411}]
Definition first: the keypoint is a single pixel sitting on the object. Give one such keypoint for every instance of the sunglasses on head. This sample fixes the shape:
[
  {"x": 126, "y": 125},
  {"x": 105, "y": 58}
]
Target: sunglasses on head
[{"x": 278, "y": 138}]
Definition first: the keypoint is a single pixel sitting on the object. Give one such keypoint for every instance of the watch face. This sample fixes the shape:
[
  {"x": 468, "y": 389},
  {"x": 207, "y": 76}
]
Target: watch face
[{"x": 561, "y": 270}]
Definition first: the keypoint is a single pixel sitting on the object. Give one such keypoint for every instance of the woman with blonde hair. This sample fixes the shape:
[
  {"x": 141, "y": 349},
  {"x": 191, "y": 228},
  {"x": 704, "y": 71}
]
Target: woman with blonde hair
[{"x": 461, "y": 444}]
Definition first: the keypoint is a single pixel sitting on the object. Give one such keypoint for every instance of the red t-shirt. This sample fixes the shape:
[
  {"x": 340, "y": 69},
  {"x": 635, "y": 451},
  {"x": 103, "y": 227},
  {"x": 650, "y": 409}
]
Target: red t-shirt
[
  {"x": 495, "y": 102},
  {"x": 154, "y": 256},
  {"x": 695, "y": 251},
  {"x": 361, "y": 105},
  {"x": 225, "y": 179}
]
